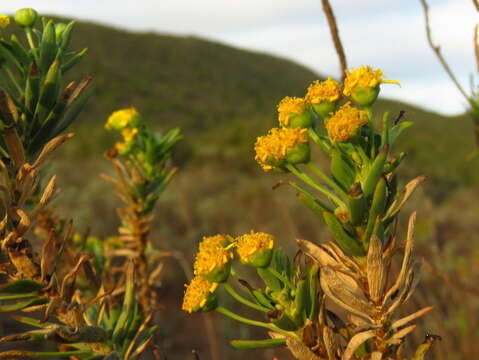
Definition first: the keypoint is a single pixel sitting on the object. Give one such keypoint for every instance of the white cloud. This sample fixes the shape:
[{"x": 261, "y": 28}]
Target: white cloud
[{"x": 389, "y": 35}]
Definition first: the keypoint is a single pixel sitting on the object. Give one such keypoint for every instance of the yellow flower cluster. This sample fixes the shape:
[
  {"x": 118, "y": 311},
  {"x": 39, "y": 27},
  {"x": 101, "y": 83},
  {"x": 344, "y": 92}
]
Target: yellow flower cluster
[
  {"x": 212, "y": 255},
  {"x": 345, "y": 122},
  {"x": 122, "y": 119},
  {"x": 126, "y": 121},
  {"x": 364, "y": 77},
  {"x": 319, "y": 91},
  {"x": 277, "y": 143},
  {"x": 129, "y": 133},
  {"x": 290, "y": 106},
  {"x": 4, "y": 21},
  {"x": 197, "y": 294},
  {"x": 250, "y": 244}
]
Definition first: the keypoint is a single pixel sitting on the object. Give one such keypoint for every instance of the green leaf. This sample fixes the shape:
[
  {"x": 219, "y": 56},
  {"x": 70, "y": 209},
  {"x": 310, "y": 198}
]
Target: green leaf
[
  {"x": 257, "y": 344},
  {"x": 48, "y": 47},
  {"x": 344, "y": 240},
  {"x": 22, "y": 305},
  {"x": 396, "y": 130},
  {"x": 20, "y": 287}
]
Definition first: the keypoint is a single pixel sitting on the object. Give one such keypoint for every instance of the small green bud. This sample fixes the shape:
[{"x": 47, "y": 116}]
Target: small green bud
[
  {"x": 59, "y": 29},
  {"x": 26, "y": 17}
]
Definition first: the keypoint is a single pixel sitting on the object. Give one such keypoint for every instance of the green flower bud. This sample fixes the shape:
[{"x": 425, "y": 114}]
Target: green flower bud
[
  {"x": 26, "y": 17},
  {"x": 59, "y": 29}
]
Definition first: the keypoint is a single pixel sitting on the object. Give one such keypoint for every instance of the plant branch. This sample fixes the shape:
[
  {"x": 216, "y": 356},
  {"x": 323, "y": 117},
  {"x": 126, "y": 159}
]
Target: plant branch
[{"x": 333, "y": 27}]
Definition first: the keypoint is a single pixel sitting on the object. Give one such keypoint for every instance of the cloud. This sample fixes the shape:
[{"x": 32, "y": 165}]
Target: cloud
[{"x": 389, "y": 35}]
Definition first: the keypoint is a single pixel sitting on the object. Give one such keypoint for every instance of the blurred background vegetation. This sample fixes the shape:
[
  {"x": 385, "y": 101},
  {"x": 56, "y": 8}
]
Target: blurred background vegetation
[{"x": 222, "y": 98}]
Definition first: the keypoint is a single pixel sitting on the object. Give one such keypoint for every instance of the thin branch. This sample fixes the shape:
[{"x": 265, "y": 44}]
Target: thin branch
[
  {"x": 476, "y": 4},
  {"x": 437, "y": 51},
  {"x": 333, "y": 27},
  {"x": 476, "y": 45}
]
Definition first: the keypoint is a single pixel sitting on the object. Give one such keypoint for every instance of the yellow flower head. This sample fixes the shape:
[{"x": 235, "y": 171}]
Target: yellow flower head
[
  {"x": 129, "y": 133},
  {"x": 319, "y": 91},
  {"x": 251, "y": 246},
  {"x": 4, "y": 21},
  {"x": 121, "y": 147},
  {"x": 213, "y": 259},
  {"x": 364, "y": 77},
  {"x": 122, "y": 119},
  {"x": 345, "y": 122},
  {"x": 275, "y": 145},
  {"x": 289, "y": 107},
  {"x": 198, "y": 293}
]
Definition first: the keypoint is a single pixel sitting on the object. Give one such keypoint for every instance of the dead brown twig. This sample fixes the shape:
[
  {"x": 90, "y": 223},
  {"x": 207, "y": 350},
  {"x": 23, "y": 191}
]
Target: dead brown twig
[{"x": 333, "y": 27}]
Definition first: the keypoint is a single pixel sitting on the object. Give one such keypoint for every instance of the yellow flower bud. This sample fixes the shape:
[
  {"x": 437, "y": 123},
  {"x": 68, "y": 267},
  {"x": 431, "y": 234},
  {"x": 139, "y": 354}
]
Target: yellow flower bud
[
  {"x": 345, "y": 122},
  {"x": 294, "y": 112},
  {"x": 323, "y": 96},
  {"x": 282, "y": 145},
  {"x": 255, "y": 249},
  {"x": 4, "y": 21},
  {"x": 122, "y": 119},
  {"x": 129, "y": 133},
  {"x": 213, "y": 259},
  {"x": 200, "y": 295},
  {"x": 362, "y": 85}
]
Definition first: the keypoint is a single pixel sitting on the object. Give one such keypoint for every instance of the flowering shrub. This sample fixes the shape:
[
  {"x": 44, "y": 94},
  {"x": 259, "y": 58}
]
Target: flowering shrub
[{"x": 359, "y": 201}]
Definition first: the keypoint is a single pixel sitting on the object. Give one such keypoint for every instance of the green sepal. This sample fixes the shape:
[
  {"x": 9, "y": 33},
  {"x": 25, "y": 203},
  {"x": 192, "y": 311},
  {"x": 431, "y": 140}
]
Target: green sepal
[
  {"x": 219, "y": 275},
  {"x": 21, "y": 287},
  {"x": 261, "y": 259},
  {"x": 304, "y": 120},
  {"x": 377, "y": 209},
  {"x": 271, "y": 281},
  {"x": 345, "y": 241},
  {"x": 365, "y": 96},
  {"x": 257, "y": 344},
  {"x": 300, "y": 154},
  {"x": 375, "y": 172},
  {"x": 325, "y": 108},
  {"x": 285, "y": 322}
]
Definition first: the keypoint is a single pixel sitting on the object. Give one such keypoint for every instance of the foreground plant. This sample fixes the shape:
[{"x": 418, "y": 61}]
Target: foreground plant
[
  {"x": 359, "y": 202},
  {"x": 41, "y": 267}
]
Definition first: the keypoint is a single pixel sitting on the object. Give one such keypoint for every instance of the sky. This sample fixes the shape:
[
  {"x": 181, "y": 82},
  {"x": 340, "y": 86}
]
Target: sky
[{"x": 386, "y": 34}]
